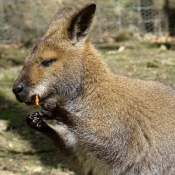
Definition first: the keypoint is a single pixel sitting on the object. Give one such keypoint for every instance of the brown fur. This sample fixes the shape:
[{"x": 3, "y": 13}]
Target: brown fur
[{"x": 108, "y": 124}]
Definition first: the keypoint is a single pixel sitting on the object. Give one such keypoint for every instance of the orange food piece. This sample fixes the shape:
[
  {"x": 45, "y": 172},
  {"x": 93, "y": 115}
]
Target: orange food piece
[{"x": 37, "y": 100}]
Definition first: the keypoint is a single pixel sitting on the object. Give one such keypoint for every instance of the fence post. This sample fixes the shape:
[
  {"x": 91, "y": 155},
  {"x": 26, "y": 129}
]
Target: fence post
[{"x": 119, "y": 16}]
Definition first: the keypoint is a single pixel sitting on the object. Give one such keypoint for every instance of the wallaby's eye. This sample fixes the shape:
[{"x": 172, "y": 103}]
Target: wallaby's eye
[{"x": 47, "y": 63}]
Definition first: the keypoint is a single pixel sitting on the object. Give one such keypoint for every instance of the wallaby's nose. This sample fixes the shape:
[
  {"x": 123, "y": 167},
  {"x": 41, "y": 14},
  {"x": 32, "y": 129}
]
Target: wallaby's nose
[{"x": 18, "y": 89}]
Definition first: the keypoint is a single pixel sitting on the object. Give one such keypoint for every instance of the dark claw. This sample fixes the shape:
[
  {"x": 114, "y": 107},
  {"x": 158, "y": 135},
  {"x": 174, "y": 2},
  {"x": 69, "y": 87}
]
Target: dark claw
[
  {"x": 39, "y": 123},
  {"x": 49, "y": 106},
  {"x": 52, "y": 111},
  {"x": 35, "y": 121},
  {"x": 35, "y": 115},
  {"x": 46, "y": 114},
  {"x": 49, "y": 109}
]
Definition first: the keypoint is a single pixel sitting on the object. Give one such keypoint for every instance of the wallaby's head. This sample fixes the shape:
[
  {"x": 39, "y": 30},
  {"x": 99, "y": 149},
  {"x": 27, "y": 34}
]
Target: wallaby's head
[{"x": 54, "y": 67}]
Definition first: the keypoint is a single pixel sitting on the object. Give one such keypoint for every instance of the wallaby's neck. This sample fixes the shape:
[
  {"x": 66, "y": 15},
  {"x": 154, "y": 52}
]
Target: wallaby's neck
[
  {"x": 95, "y": 69},
  {"x": 96, "y": 76}
]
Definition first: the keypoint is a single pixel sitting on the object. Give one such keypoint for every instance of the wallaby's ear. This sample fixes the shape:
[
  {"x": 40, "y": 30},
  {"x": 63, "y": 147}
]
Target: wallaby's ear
[{"x": 81, "y": 22}]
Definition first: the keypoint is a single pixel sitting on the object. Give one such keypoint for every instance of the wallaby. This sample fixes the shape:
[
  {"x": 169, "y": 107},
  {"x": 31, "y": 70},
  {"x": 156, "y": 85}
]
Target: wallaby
[{"x": 107, "y": 124}]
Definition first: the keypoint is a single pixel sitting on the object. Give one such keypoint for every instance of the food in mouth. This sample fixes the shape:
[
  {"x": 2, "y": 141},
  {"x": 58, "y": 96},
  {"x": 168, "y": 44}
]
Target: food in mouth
[{"x": 37, "y": 100}]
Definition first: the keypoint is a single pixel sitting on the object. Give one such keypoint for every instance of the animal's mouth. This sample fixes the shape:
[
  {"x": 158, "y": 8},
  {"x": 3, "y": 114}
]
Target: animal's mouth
[
  {"x": 36, "y": 100},
  {"x": 32, "y": 100}
]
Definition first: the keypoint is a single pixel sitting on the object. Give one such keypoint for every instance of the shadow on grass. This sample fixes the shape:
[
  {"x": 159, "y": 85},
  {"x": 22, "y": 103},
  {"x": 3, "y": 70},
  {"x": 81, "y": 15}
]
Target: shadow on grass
[{"x": 16, "y": 113}]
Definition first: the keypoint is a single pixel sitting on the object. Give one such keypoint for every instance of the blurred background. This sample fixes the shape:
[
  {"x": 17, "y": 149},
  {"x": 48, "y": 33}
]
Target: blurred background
[
  {"x": 136, "y": 39},
  {"x": 26, "y": 20}
]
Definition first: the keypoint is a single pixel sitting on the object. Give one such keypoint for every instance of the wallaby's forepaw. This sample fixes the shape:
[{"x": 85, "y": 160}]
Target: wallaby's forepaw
[
  {"x": 35, "y": 121},
  {"x": 51, "y": 110}
]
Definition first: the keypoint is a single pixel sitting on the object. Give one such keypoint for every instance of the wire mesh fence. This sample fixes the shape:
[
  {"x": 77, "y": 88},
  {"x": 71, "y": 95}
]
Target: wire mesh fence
[
  {"x": 26, "y": 20},
  {"x": 141, "y": 17}
]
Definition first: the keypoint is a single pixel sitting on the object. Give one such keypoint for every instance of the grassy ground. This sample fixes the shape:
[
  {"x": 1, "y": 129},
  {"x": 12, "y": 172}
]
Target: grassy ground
[{"x": 26, "y": 152}]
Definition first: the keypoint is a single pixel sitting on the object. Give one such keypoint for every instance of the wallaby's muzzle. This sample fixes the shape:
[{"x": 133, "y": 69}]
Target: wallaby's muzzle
[
  {"x": 22, "y": 94},
  {"x": 19, "y": 90}
]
